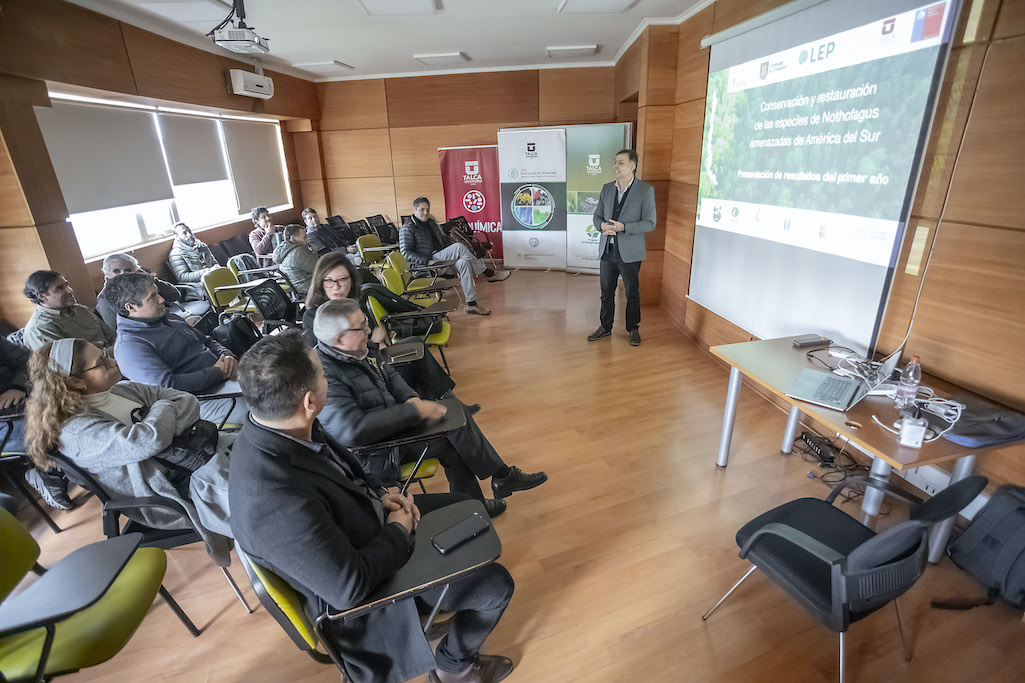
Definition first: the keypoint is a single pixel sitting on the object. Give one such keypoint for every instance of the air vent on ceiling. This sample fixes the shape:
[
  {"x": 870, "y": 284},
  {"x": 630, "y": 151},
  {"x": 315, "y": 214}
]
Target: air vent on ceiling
[
  {"x": 442, "y": 58},
  {"x": 391, "y": 8},
  {"x": 324, "y": 67},
  {"x": 595, "y": 6},
  {"x": 567, "y": 51}
]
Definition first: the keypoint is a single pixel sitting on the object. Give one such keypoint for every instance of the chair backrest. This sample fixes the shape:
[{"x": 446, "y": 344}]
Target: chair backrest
[
  {"x": 20, "y": 552},
  {"x": 281, "y": 601},
  {"x": 361, "y": 227},
  {"x": 220, "y": 252},
  {"x": 392, "y": 280},
  {"x": 950, "y": 500},
  {"x": 272, "y": 302},
  {"x": 404, "y": 219},
  {"x": 884, "y": 567},
  {"x": 219, "y": 277},
  {"x": 241, "y": 262},
  {"x": 336, "y": 221},
  {"x": 237, "y": 245},
  {"x": 377, "y": 221},
  {"x": 80, "y": 476},
  {"x": 368, "y": 242}
]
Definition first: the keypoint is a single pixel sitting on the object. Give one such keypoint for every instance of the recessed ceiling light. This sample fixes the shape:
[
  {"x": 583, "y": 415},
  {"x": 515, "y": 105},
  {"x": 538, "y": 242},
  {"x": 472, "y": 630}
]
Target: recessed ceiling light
[
  {"x": 442, "y": 58},
  {"x": 323, "y": 66},
  {"x": 595, "y": 6},
  {"x": 385, "y": 8},
  {"x": 571, "y": 50}
]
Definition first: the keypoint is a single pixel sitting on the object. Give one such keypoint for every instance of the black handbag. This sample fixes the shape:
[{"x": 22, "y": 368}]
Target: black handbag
[
  {"x": 236, "y": 332},
  {"x": 193, "y": 448}
]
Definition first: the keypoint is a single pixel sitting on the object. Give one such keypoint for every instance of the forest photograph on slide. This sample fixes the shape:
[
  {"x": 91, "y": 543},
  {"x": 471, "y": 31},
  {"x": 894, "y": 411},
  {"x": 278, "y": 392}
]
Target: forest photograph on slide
[{"x": 841, "y": 141}]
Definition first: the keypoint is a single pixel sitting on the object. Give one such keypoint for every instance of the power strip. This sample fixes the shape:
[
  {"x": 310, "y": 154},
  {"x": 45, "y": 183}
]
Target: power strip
[{"x": 821, "y": 448}]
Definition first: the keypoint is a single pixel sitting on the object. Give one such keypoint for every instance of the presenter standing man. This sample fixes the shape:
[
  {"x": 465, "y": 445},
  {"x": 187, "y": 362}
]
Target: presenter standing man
[{"x": 626, "y": 210}]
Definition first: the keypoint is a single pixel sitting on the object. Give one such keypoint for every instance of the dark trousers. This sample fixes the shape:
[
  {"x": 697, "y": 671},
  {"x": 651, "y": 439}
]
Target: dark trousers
[
  {"x": 612, "y": 268},
  {"x": 477, "y": 600},
  {"x": 466, "y": 455}
]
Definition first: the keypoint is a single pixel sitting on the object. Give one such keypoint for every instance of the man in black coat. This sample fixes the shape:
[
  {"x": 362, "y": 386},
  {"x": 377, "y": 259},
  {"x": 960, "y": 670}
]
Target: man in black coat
[
  {"x": 368, "y": 402},
  {"x": 302, "y": 506}
]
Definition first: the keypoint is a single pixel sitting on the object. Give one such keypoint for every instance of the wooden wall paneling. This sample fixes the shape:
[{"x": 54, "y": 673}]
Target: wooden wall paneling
[
  {"x": 732, "y": 12},
  {"x": 952, "y": 107},
  {"x": 308, "y": 159},
  {"x": 24, "y": 242},
  {"x": 300, "y": 125},
  {"x": 14, "y": 211},
  {"x": 710, "y": 329},
  {"x": 904, "y": 287},
  {"x": 658, "y": 79},
  {"x": 408, "y": 188},
  {"x": 628, "y": 70},
  {"x": 354, "y": 198},
  {"x": 655, "y": 141},
  {"x": 415, "y": 150},
  {"x": 292, "y": 97},
  {"x": 986, "y": 188},
  {"x": 59, "y": 41},
  {"x": 31, "y": 161},
  {"x": 683, "y": 206},
  {"x": 463, "y": 98},
  {"x": 314, "y": 195},
  {"x": 1011, "y": 21},
  {"x": 691, "y": 58},
  {"x": 168, "y": 70},
  {"x": 976, "y": 21},
  {"x": 356, "y": 153},
  {"x": 651, "y": 278},
  {"x": 675, "y": 285},
  {"x": 291, "y": 162},
  {"x": 568, "y": 96},
  {"x": 352, "y": 104},
  {"x": 688, "y": 133},
  {"x": 63, "y": 255},
  {"x": 627, "y": 112},
  {"x": 656, "y": 239},
  {"x": 969, "y": 328}
]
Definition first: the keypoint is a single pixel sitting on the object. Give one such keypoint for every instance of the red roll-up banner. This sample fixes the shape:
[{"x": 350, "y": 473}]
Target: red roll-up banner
[{"x": 469, "y": 176}]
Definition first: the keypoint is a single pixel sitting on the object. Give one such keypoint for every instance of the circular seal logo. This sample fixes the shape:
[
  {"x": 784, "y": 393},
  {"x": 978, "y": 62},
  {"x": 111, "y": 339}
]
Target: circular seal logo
[
  {"x": 534, "y": 242},
  {"x": 473, "y": 201},
  {"x": 513, "y": 173},
  {"x": 533, "y": 206},
  {"x": 804, "y": 57}
]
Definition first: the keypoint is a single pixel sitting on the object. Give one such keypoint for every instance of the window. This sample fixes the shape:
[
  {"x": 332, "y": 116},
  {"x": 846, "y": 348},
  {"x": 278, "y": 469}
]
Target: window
[{"x": 196, "y": 161}]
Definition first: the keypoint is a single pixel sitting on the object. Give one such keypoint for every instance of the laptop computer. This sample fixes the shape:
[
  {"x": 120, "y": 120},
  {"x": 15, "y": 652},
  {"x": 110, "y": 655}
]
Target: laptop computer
[{"x": 839, "y": 393}]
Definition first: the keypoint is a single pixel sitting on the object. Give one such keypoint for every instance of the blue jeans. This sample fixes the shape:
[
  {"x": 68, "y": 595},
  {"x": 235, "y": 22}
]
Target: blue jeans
[{"x": 12, "y": 435}]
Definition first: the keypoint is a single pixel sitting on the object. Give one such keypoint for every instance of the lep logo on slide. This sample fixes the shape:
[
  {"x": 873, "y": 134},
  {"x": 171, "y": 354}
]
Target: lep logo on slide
[
  {"x": 763, "y": 71},
  {"x": 473, "y": 201}
]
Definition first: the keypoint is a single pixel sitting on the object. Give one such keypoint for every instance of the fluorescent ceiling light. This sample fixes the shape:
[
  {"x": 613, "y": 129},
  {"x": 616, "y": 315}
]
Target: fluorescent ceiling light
[
  {"x": 571, "y": 50},
  {"x": 205, "y": 11},
  {"x": 595, "y": 6},
  {"x": 323, "y": 66},
  {"x": 442, "y": 58},
  {"x": 391, "y": 8}
]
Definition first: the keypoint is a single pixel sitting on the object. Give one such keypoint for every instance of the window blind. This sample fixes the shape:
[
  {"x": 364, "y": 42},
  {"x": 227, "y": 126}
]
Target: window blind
[
  {"x": 255, "y": 160},
  {"x": 193, "y": 149}
]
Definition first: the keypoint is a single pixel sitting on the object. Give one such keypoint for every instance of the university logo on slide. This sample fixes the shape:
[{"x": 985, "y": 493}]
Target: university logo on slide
[
  {"x": 763, "y": 71},
  {"x": 472, "y": 173},
  {"x": 473, "y": 201},
  {"x": 593, "y": 164},
  {"x": 531, "y": 150}
]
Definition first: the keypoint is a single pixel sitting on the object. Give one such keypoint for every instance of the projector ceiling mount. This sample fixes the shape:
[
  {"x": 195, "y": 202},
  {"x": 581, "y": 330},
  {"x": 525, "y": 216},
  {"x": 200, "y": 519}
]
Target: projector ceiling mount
[{"x": 239, "y": 38}]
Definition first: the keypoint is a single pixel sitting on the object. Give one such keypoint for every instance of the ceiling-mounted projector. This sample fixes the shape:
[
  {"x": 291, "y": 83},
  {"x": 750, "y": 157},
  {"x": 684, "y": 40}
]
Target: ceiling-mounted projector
[{"x": 239, "y": 37}]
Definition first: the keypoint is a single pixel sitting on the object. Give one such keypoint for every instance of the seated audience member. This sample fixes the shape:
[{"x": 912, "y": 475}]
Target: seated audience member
[
  {"x": 190, "y": 258},
  {"x": 156, "y": 348},
  {"x": 422, "y": 243},
  {"x": 336, "y": 278},
  {"x": 122, "y": 434},
  {"x": 296, "y": 259},
  {"x": 266, "y": 236},
  {"x": 14, "y": 386},
  {"x": 58, "y": 314},
  {"x": 367, "y": 402},
  {"x": 303, "y": 507},
  {"x": 118, "y": 264},
  {"x": 324, "y": 237}
]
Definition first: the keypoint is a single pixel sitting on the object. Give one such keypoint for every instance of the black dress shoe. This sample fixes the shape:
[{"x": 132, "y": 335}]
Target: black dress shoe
[
  {"x": 485, "y": 669},
  {"x": 598, "y": 334},
  {"x": 495, "y": 507},
  {"x": 516, "y": 480},
  {"x": 635, "y": 337}
]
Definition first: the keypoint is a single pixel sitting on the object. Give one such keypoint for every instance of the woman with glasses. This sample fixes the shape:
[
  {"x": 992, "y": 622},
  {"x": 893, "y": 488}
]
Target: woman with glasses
[
  {"x": 121, "y": 433},
  {"x": 336, "y": 278}
]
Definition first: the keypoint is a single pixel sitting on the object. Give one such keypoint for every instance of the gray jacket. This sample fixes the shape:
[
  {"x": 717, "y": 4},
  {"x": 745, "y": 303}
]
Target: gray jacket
[
  {"x": 189, "y": 262},
  {"x": 74, "y": 322},
  {"x": 297, "y": 263},
  {"x": 637, "y": 216},
  {"x": 120, "y": 457}
]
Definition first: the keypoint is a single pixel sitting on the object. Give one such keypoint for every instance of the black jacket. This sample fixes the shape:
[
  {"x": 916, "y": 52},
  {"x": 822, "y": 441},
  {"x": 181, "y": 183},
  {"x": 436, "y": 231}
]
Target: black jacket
[
  {"x": 294, "y": 510},
  {"x": 418, "y": 241},
  {"x": 13, "y": 366}
]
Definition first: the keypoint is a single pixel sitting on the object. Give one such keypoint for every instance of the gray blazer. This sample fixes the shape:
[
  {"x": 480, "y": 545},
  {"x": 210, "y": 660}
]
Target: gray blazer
[{"x": 638, "y": 217}]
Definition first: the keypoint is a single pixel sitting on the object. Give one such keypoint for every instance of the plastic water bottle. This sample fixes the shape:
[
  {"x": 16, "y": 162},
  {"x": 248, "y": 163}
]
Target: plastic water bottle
[{"x": 907, "y": 389}]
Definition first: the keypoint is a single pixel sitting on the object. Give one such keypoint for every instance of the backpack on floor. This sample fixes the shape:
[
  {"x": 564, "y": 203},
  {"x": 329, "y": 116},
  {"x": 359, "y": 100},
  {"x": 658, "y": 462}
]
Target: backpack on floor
[
  {"x": 236, "y": 332},
  {"x": 992, "y": 550}
]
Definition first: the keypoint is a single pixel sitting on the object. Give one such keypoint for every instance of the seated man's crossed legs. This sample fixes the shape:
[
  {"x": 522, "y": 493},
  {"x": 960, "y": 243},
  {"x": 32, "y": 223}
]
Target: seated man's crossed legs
[{"x": 467, "y": 267}]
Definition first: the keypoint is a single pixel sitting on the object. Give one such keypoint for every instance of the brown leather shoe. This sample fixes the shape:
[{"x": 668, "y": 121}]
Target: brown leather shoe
[
  {"x": 485, "y": 669},
  {"x": 476, "y": 309},
  {"x": 635, "y": 337}
]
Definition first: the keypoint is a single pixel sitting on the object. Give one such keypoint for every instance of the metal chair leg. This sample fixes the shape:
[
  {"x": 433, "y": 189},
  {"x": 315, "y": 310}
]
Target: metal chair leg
[
  {"x": 29, "y": 495},
  {"x": 444, "y": 362},
  {"x": 179, "y": 612},
  {"x": 728, "y": 593},
  {"x": 841, "y": 655},
  {"x": 234, "y": 587},
  {"x": 908, "y": 652},
  {"x": 422, "y": 487}
]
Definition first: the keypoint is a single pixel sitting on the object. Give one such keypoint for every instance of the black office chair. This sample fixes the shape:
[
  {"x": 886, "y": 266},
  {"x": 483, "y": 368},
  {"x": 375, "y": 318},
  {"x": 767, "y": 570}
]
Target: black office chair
[
  {"x": 12, "y": 467},
  {"x": 277, "y": 309},
  {"x": 166, "y": 539},
  {"x": 361, "y": 227},
  {"x": 838, "y": 568}
]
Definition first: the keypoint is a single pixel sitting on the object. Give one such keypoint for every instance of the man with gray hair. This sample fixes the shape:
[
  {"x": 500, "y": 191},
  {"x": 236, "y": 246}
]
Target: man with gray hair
[
  {"x": 118, "y": 264},
  {"x": 368, "y": 402}
]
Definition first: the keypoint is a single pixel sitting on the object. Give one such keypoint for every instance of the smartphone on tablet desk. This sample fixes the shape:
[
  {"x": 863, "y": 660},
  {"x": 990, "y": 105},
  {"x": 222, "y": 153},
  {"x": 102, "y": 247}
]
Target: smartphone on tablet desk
[{"x": 459, "y": 533}]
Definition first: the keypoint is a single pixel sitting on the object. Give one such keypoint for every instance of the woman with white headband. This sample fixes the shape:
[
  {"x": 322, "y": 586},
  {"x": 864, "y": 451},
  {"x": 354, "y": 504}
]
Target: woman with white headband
[{"x": 121, "y": 432}]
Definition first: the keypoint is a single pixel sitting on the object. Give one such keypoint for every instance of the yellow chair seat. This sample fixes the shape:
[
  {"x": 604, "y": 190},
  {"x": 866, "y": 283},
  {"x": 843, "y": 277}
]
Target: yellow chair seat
[
  {"x": 440, "y": 338},
  {"x": 428, "y": 468},
  {"x": 285, "y": 597},
  {"x": 97, "y": 633}
]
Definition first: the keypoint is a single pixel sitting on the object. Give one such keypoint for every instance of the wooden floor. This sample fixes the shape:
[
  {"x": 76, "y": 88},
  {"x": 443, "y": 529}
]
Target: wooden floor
[{"x": 631, "y": 539}]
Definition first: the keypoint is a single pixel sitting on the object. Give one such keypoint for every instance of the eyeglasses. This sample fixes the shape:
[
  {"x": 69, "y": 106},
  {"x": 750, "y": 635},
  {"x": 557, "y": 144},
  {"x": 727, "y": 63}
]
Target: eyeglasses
[
  {"x": 364, "y": 328},
  {"x": 329, "y": 282},
  {"x": 106, "y": 361}
]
